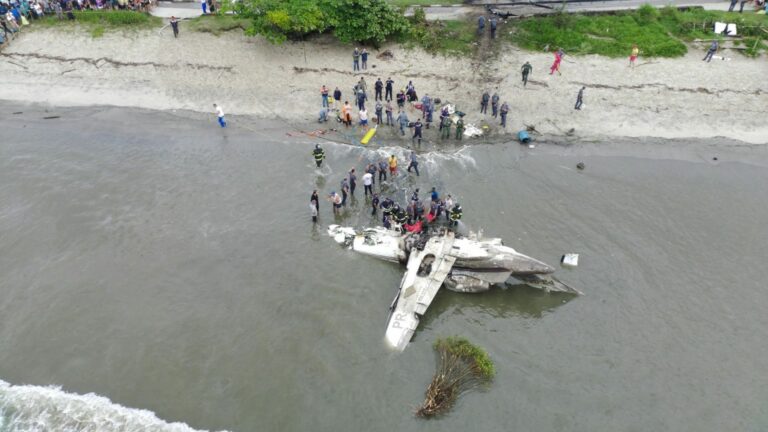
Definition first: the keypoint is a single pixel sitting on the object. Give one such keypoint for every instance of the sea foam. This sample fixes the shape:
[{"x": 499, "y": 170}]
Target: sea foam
[{"x": 27, "y": 408}]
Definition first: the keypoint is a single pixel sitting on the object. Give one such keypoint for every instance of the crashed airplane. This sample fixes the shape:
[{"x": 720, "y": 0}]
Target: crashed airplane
[{"x": 437, "y": 258}]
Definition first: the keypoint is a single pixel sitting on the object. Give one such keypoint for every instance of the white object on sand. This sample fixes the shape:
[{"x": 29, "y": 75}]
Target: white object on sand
[
  {"x": 472, "y": 131},
  {"x": 570, "y": 260},
  {"x": 720, "y": 28}
]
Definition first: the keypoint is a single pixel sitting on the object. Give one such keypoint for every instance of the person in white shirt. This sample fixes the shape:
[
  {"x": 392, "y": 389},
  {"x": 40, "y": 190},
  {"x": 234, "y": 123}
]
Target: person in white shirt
[
  {"x": 368, "y": 183},
  {"x": 364, "y": 118},
  {"x": 204, "y": 5},
  {"x": 220, "y": 115},
  {"x": 448, "y": 206}
]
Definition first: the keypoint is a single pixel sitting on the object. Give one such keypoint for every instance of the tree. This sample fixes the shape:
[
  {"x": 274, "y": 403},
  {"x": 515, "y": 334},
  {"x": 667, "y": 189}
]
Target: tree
[
  {"x": 365, "y": 20},
  {"x": 349, "y": 20}
]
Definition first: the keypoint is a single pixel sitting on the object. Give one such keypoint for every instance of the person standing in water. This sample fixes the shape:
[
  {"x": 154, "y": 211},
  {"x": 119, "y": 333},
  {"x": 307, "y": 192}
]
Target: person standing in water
[
  {"x": 352, "y": 182},
  {"x": 368, "y": 183},
  {"x": 414, "y": 164},
  {"x": 220, "y": 115},
  {"x": 417, "y": 132},
  {"x": 315, "y": 199},
  {"x": 393, "y": 166},
  {"x": 374, "y": 204},
  {"x": 313, "y": 210},
  {"x": 319, "y": 155}
]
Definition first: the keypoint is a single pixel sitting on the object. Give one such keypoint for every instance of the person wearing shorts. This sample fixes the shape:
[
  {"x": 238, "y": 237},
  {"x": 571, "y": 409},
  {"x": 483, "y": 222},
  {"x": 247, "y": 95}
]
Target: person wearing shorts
[
  {"x": 364, "y": 118},
  {"x": 392, "y": 165},
  {"x": 633, "y": 56}
]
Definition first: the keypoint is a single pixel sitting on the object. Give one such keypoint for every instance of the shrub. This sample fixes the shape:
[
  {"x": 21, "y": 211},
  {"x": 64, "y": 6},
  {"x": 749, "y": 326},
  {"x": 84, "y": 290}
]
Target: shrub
[
  {"x": 646, "y": 14},
  {"x": 419, "y": 16},
  {"x": 461, "y": 367},
  {"x": 349, "y": 20}
]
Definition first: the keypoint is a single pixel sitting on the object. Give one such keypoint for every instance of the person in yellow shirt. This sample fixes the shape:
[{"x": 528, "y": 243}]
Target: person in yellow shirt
[
  {"x": 392, "y": 166},
  {"x": 633, "y": 56}
]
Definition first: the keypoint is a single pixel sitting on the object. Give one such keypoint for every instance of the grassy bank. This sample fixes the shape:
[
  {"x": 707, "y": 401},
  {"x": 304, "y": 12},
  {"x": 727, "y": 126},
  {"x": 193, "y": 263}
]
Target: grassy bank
[
  {"x": 99, "y": 22},
  {"x": 452, "y": 37},
  {"x": 441, "y": 37},
  {"x": 217, "y": 24},
  {"x": 658, "y": 33},
  {"x": 438, "y": 37}
]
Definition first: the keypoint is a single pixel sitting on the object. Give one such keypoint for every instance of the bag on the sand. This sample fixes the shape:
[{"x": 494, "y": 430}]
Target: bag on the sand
[{"x": 24, "y": 20}]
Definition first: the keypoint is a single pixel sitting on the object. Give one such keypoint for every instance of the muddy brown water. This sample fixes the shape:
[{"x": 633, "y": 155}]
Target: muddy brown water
[{"x": 168, "y": 265}]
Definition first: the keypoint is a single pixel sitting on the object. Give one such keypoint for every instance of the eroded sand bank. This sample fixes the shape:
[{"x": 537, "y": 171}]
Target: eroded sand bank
[{"x": 149, "y": 69}]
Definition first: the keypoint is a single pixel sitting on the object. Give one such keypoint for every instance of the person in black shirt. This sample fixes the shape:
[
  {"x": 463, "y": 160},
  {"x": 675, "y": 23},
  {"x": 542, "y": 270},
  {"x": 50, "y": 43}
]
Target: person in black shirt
[
  {"x": 417, "y": 132},
  {"x": 377, "y": 87}
]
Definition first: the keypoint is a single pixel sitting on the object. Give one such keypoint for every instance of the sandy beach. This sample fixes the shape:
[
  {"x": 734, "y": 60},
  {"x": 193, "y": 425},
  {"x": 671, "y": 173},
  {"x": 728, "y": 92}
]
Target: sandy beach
[{"x": 666, "y": 98}]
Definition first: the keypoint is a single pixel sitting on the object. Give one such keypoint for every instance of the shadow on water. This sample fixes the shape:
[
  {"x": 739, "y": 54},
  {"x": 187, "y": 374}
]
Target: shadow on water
[{"x": 504, "y": 301}]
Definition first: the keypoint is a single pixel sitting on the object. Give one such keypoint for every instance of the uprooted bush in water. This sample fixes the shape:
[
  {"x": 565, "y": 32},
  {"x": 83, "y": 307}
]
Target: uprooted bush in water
[{"x": 461, "y": 367}]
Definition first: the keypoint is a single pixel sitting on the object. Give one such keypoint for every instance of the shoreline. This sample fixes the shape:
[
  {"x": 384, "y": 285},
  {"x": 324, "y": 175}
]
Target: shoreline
[
  {"x": 661, "y": 98},
  {"x": 713, "y": 150}
]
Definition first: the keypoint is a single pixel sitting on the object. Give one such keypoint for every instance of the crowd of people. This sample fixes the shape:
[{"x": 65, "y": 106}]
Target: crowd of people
[
  {"x": 391, "y": 109},
  {"x": 14, "y": 14},
  {"x": 412, "y": 216}
]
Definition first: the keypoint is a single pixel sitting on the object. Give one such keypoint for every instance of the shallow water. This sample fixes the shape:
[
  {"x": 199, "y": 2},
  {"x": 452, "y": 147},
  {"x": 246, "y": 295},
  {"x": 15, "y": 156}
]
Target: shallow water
[{"x": 170, "y": 266}]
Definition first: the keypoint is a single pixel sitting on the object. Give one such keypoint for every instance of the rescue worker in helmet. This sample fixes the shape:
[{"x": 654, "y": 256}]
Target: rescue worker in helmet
[
  {"x": 319, "y": 155},
  {"x": 386, "y": 206},
  {"x": 401, "y": 217},
  {"x": 455, "y": 214}
]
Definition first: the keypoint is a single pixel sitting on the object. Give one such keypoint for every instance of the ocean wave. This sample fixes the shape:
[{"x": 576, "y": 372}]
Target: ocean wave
[{"x": 28, "y": 408}]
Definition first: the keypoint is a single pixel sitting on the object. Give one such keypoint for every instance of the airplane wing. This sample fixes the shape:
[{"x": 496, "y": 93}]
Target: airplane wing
[{"x": 425, "y": 274}]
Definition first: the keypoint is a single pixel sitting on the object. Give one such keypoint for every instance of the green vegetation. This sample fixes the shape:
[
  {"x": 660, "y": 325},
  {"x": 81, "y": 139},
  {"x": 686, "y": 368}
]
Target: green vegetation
[
  {"x": 658, "y": 33},
  {"x": 424, "y": 2},
  {"x": 608, "y": 35},
  {"x": 98, "y": 22},
  {"x": 461, "y": 367},
  {"x": 97, "y": 31},
  {"x": 698, "y": 23},
  {"x": 439, "y": 37},
  {"x": 366, "y": 21},
  {"x": 218, "y": 24}
]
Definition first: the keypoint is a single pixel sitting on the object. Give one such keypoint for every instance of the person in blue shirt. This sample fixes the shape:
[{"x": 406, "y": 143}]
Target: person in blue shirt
[
  {"x": 416, "y": 135},
  {"x": 434, "y": 195},
  {"x": 364, "y": 58},
  {"x": 712, "y": 50}
]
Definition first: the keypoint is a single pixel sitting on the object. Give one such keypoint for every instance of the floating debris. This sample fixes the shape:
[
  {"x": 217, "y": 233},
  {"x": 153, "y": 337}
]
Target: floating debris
[
  {"x": 570, "y": 260},
  {"x": 461, "y": 367}
]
